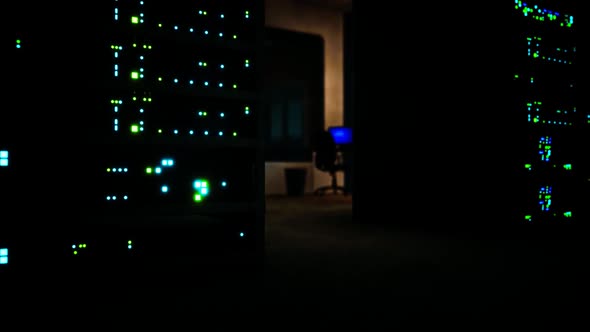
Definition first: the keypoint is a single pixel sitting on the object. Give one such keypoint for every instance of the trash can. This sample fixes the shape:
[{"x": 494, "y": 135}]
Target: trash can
[{"x": 295, "y": 181}]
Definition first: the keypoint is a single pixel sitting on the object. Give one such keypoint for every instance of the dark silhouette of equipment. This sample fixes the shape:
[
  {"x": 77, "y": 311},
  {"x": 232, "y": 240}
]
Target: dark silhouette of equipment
[{"x": 328, "y": 159}]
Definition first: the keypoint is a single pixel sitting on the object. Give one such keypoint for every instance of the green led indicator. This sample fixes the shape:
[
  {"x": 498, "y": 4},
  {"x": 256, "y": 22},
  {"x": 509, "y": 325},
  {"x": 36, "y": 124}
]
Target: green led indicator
[
  {"x": 134, "y": 75},
  {"x": 134, "y": 128},
  {"x": 201, "y": 188},
  {"x": 134, "y": 19},
  {"x": 148, "y": 170}
]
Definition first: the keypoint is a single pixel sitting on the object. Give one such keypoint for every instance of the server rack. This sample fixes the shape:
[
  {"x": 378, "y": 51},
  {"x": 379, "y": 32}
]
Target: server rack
[
  {"x": 552, "y": 124},
  {"x": 136, "y": 133}
]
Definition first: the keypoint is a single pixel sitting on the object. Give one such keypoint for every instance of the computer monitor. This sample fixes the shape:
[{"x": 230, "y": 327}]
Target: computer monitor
[{"x": 342, "y": 135}]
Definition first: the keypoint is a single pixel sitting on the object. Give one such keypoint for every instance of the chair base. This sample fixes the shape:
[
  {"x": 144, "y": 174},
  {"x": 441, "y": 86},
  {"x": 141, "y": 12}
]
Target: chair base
[{"x": 335, "y": 190}]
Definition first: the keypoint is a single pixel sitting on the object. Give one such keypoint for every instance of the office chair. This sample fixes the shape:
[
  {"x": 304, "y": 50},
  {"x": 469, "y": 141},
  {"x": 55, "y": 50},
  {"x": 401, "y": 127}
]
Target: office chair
[{"x": 327, "y": 159}]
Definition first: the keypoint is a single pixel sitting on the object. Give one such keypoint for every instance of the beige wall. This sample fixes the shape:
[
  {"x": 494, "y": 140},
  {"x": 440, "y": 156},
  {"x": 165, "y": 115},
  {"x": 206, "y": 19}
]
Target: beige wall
[{"x": 328, "y": 23}]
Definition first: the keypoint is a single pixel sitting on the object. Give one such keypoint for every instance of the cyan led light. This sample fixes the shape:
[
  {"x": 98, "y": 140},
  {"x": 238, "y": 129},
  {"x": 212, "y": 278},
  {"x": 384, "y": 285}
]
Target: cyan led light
[
  {"x": 3, "y": 256},
  {"x": 114, "y": 197},
  {"x": 3, "y": 158}
]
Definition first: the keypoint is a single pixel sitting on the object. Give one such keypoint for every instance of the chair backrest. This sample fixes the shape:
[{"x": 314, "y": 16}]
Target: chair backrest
[{"x": 326, "y": 152}]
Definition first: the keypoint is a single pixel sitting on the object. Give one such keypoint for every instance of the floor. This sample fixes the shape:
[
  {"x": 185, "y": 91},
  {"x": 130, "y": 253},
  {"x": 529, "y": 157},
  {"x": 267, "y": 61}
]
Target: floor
[{"x": 323, "y": 269}]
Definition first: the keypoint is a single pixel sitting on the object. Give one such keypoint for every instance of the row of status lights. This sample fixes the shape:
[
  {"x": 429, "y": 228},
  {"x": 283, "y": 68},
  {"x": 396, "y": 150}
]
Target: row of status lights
[
  {"x": 533, "y": 52},
  {"x": 117, "y": 102},
  {"x": 139, "y": 19},
  {"x": 542, "y": 14}
]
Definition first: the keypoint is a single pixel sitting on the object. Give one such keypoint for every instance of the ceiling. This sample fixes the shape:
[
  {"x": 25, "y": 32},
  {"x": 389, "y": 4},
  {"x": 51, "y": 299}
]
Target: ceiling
[{"x": 335, "y": 4}]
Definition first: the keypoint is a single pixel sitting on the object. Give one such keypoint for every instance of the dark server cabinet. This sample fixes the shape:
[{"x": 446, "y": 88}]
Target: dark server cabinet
[
  {"x": 553, "y": 124},
  {"x": 135, "y": 133}
]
